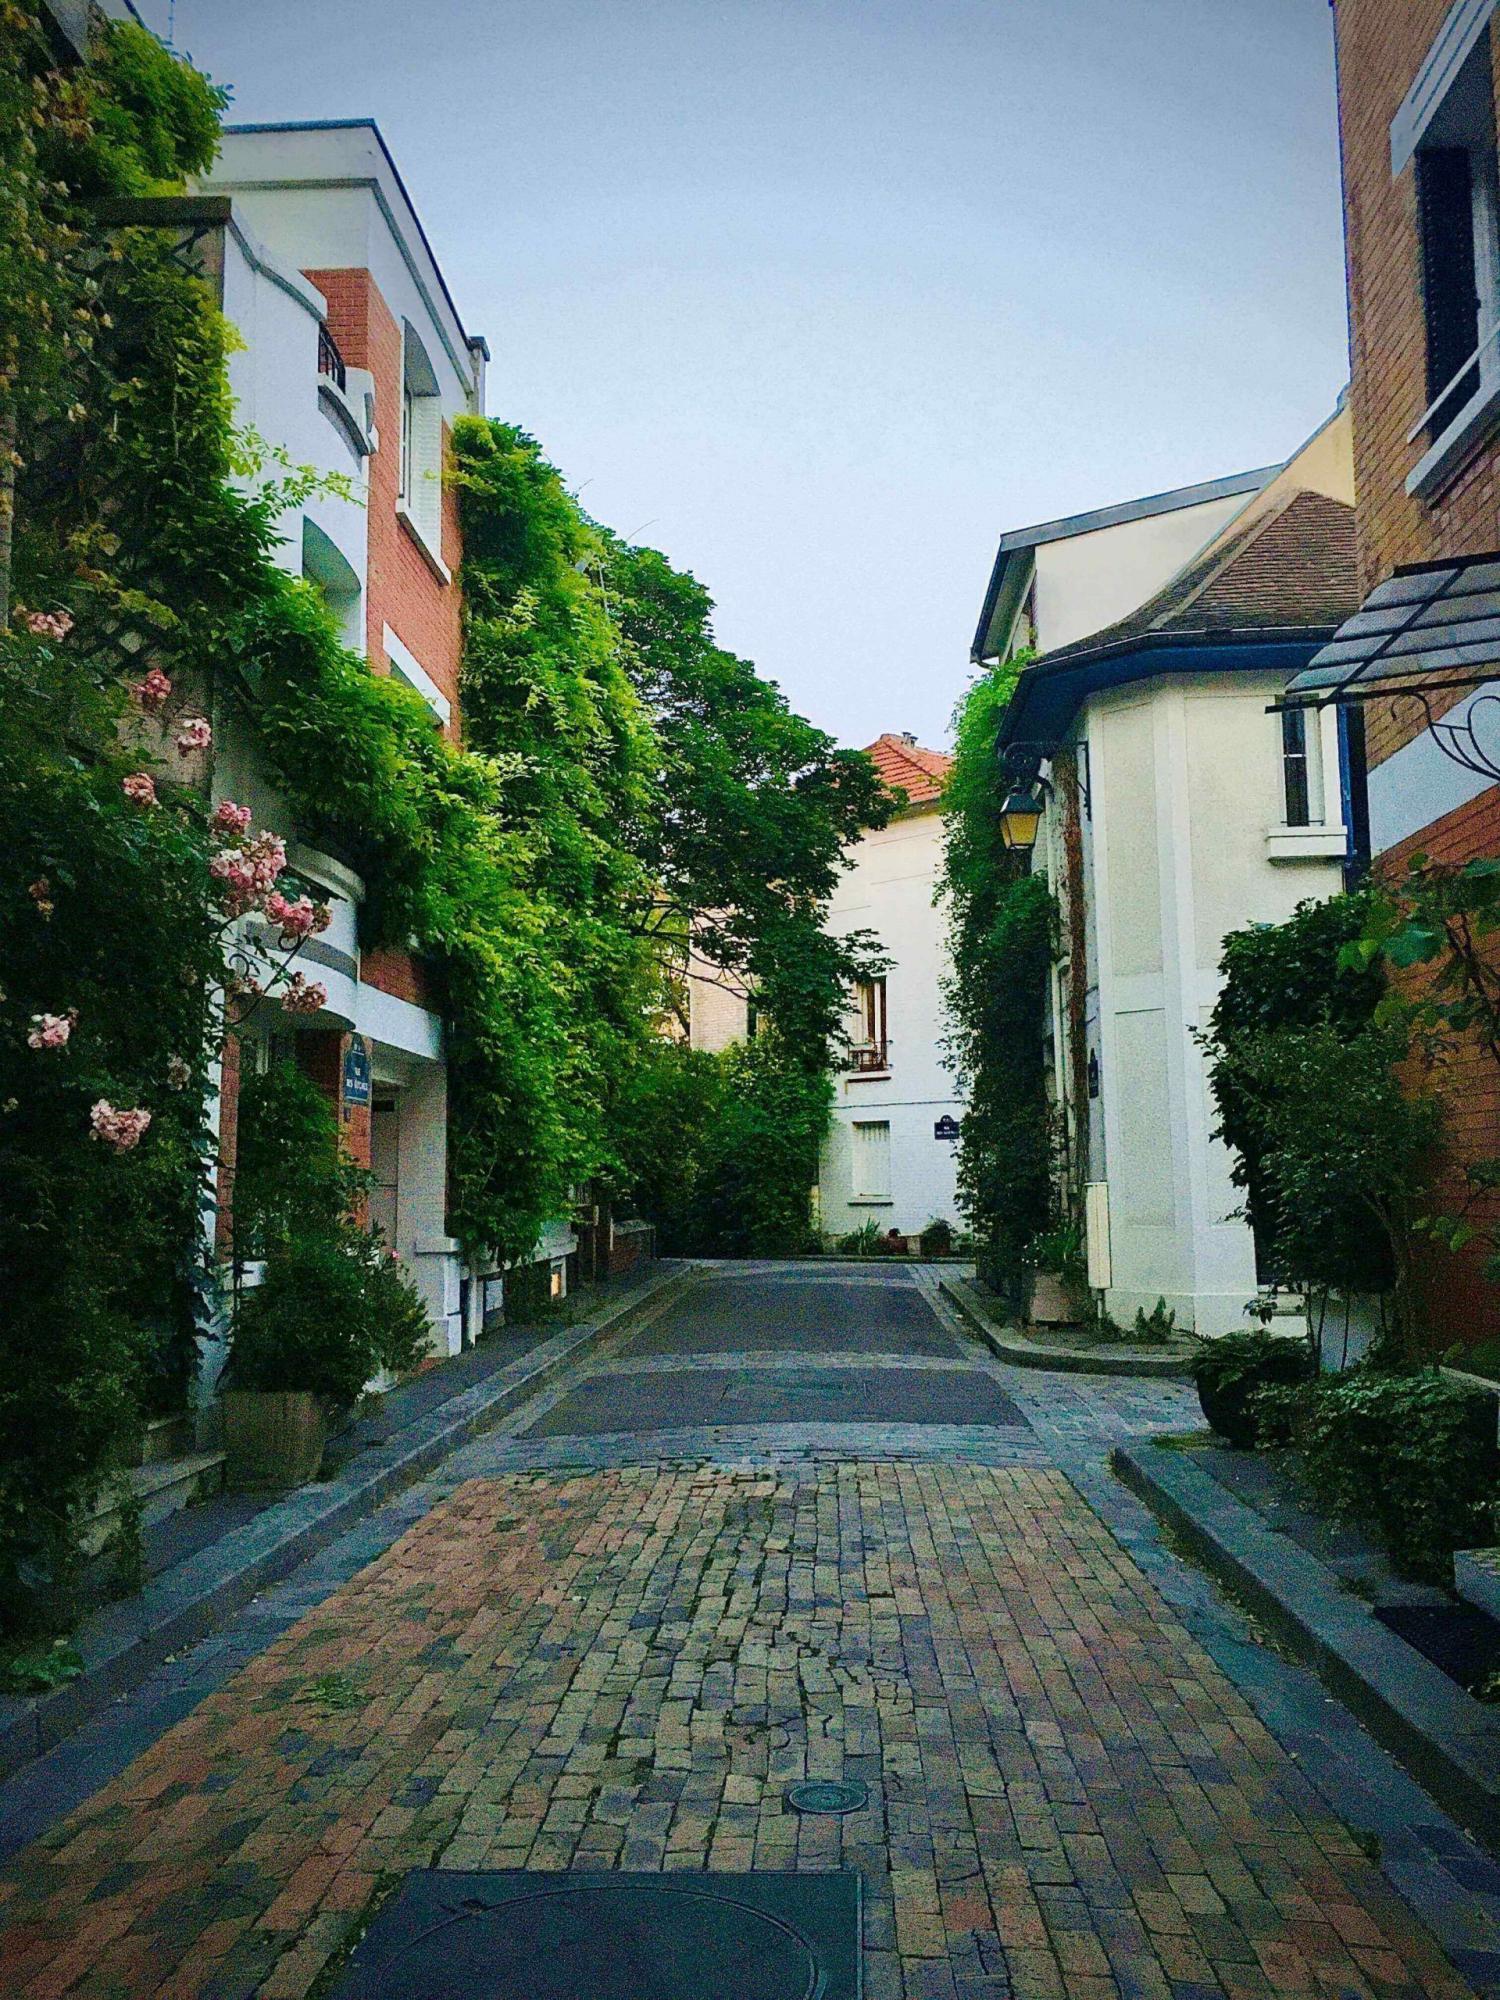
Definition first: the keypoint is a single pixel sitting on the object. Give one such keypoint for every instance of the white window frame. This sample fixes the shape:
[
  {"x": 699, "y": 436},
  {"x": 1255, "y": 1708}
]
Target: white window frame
[
  {"x": 862, "y": 1155},
  {"x": 419, "y": 496}
]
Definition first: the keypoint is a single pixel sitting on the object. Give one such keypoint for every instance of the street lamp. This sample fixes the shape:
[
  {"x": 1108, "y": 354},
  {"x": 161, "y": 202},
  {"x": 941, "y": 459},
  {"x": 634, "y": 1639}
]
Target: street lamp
[{"x": 1020, "y": 817}]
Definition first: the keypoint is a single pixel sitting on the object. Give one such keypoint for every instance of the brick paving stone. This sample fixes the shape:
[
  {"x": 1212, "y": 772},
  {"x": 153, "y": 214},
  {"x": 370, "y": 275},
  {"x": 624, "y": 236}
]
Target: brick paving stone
[{"x": 623, "y": 1667}]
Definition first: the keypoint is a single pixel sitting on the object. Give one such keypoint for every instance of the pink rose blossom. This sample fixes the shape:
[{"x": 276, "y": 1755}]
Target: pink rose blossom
[
  {"x": 194, "y": 734},
  {"x": 40, "y": 892},
  {"x": 154, "y": 691},
  {"x": 230, "y": 818},
  {"x": 120, "y": 1129},
  {"x": 249, "y": 872},
  {"x": 294, "y": 920},
  {"x": 51, "y": 1031},
  {"x": 179, "y": 1073},
  {"x": 303, "y": 996},
  {"x": 49, "y": 624},
  {"x": 139, "y": 789}
]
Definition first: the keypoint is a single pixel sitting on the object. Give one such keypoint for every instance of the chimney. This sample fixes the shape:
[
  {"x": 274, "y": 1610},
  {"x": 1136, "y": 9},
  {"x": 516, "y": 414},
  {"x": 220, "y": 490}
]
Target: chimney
[{"x": 907, "y": 737}]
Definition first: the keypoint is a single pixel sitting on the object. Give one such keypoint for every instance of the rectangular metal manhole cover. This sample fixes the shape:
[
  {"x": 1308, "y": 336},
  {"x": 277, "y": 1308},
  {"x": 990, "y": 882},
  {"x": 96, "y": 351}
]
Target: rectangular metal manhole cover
[{"x": 521, "y": 1934}]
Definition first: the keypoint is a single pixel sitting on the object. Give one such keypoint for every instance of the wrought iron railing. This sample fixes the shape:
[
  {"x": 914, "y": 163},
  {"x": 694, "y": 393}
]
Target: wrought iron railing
[
  {"x": 330, "y": 361},
  {"x": 869, "y": 1056}
]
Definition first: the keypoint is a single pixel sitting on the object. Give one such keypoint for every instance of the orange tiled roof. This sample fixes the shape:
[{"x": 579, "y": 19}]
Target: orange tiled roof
[{"x": 907, "y": 767}]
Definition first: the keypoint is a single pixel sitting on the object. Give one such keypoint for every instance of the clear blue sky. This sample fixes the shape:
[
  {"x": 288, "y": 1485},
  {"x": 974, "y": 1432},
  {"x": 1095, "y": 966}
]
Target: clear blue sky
[{"x": 819, "y": 296}]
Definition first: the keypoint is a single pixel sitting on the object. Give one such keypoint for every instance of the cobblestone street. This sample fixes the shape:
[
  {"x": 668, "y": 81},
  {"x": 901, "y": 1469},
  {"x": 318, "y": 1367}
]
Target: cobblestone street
[{"x": 797, "y": 1525}]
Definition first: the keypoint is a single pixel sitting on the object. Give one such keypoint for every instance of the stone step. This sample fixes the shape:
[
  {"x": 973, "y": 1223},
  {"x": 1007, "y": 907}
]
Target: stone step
[
  {"x": 1476, "y": 1578},
  {"x": 160, "y": 1489}
]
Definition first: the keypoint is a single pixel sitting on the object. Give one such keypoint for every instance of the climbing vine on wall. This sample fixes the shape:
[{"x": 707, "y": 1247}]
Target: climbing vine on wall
[{"x": 1002, "y": 921}]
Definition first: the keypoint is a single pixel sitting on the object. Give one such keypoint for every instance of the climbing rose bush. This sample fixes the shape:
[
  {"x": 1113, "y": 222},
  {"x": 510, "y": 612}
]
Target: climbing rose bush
[
  {"x": 122, "y": 1130},
  {"x": 51, "y": 1031}
]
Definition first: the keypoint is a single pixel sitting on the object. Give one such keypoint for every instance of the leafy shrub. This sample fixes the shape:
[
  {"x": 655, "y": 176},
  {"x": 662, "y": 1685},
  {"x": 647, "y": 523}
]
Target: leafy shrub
[
  {"x": 937, "y": 1238},
  {"x": 865, "y": 1241},
  {"x": 1412, "y": 1454},
  {"x": 721, "y": 1151},
  {"x": 292, "y": 1176},
  {"x": 1231, "y": 1373},
  {"x": 328, "y": 1315},
  {"x": 1154, "y": 1328}
]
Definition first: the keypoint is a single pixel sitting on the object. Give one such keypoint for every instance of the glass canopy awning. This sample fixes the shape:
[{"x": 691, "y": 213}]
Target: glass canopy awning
[{"x": 1433, "y": 627}]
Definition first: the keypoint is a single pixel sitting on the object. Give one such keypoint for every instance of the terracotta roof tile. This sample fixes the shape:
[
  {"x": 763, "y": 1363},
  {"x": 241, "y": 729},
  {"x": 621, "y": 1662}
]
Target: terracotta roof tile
[{"x": 907, "y": 767}]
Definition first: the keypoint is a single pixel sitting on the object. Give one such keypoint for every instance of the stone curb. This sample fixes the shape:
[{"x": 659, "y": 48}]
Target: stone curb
[
  {"x": 1008, "y": 1345},
  {"x": 1447, "y": 1740},
  {"x": 123, "y": 1643}
]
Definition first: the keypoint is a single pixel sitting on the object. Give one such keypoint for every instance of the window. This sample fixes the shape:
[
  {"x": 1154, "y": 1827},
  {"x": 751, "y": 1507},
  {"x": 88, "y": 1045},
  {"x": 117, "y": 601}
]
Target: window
[
  {"x": 872, "y": 1160},
  {"x": 420, "y": 480},
  {"x": 407, "y": 399},
  {"x": 1458, "y": 197},
  {"x": 869, "y": 1048},
  {"x": 1294, "y": 772}
]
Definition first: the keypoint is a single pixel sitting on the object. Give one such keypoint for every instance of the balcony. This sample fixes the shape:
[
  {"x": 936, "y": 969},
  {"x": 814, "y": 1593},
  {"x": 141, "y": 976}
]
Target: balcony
[{"x": 869, "y": 1058}]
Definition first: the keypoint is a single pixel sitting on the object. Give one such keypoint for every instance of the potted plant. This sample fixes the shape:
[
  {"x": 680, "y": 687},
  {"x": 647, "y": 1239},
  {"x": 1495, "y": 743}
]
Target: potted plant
[
  {"x": 331, "y": 1311},
  {"x": 1230, "y": 1371}
]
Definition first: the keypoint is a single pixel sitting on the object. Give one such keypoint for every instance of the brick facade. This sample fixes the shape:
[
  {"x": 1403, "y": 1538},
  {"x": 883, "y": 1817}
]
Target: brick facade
[
  {"x": 1382, "y": 45},
  {"x": 403, "y": 590}
]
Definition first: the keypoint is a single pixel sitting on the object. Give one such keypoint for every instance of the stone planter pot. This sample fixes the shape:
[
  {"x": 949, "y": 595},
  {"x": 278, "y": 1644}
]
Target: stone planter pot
[
  {"x": 1051, "y": 1304},
  {"x": 273, "y": 1438}
]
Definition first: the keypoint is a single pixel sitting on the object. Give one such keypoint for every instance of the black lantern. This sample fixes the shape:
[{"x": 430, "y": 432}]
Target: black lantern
[{"x": 1020, "y": 817}]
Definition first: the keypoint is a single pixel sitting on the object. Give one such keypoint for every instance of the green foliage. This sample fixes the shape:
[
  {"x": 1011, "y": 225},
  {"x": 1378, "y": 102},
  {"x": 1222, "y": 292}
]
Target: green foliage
[
  {"x": 1442, "y": 921},
  {"x": 1231, "y": 1372},
  {"x": 104, "y": 908},
  {"x": 725, "y": 1147},
  {"x": 292, "y": 1176},
  {"x": 756, "y": 811},
  {"x": 330, "y": 1312},
  {"x": 937, "y": 1238},
  {"x": 866, "y": 1241},
  {"x": 1154, "y": 1328},
  {"x": 1332, "y": 1152},
  {"x": 40, "y": 1670},
  {"x": 1411, "y": 1454},
  {"x": 1001, "y": 927}
]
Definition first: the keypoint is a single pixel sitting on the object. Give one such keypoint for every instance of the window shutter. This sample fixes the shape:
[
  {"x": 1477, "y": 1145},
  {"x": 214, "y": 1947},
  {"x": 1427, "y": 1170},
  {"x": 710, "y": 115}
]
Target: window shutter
[{"x": 1445, "y": 194}]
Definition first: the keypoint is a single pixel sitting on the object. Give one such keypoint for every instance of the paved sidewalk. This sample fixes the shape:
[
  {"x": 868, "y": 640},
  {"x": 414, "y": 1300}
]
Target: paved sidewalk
[{"x": 1085, "y": 1779}]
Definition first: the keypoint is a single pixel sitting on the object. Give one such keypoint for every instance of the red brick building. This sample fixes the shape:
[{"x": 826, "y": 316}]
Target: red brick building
[
  {"x": 354, "y": 362},
  {"x": 1419, "y": 85}
]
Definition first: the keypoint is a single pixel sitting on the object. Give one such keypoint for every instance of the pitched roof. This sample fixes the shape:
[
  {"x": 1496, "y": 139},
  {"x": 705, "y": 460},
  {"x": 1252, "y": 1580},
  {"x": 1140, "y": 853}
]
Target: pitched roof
[
  {"x": 1263, "y": 596},
  {"x": 905, "y": 766},
  {"x": 1290, "y": 569},
  {"x": 1020, "y": 541}
]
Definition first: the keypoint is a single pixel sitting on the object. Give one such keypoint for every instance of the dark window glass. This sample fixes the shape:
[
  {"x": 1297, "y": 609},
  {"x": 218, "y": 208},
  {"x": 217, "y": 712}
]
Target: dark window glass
[
  {"x": 1294, "y": 765},
  {"x": 1450, "y": 291}
]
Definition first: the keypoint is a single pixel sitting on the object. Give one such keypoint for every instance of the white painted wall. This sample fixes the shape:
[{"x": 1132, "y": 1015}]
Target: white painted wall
[
  {"x": 329, "y": 200},
  {"x": 1086, "y": 582},
  {"x": 889, "y": 890},
  {"x": 1186, "y": 842}
]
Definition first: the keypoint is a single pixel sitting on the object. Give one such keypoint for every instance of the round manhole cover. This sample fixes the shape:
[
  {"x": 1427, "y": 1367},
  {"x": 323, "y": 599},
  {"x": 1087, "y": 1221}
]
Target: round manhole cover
[
  {"x": 622, "y": 1942},
  {"x": 821, "y": 1795}
]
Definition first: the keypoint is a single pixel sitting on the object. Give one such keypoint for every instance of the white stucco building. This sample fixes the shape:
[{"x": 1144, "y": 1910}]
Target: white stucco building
[
  {"x": 1183, "y": 810},
  {"x": 890, "y": 1155}
]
